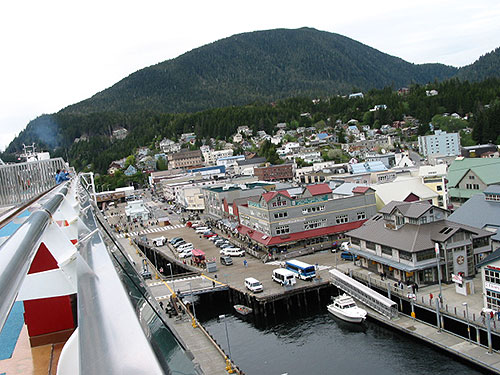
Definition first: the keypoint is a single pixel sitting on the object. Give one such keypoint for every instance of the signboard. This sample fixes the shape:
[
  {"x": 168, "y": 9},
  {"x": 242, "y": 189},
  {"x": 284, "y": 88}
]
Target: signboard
[
  {"x": 436, "y": 248},
  {"x": 456, "y": 279},
  {"x": 492, "y": 286}
]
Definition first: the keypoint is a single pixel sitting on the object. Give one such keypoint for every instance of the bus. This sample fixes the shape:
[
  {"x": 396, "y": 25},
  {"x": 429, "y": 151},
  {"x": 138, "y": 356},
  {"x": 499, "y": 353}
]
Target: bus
[{"x": 303, "y": 270}]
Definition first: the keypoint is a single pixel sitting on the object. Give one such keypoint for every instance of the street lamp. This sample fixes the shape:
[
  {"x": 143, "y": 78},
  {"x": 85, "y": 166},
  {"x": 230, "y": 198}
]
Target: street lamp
[
  {"x": 468, "y": 323},
  {"x": 223, "y": 317},
  {"x": 436, "y": 247},
  {"x": 171, "y": 276},
  {"x": 192, "y": 304}
]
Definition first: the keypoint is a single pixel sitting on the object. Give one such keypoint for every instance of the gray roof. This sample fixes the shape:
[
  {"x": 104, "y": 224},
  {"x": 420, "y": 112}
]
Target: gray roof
[
  {"x": 492, "y": 189},
  {"x": 411, "y": 237},
  {"x": 408, "y": 209},
  {"x": 257, "y": 160},
  {"x": 479, "y": 213},
  {"x": 490, "y": 258}
]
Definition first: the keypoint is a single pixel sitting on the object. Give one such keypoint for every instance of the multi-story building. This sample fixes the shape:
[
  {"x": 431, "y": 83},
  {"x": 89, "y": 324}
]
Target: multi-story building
[
  {"x": 185, "y": 159},
  {"x": 191, "y": 198},
  {"x": 219, "y": 198},
  {"x": 281, "y": 172},
  {"x": 434, "y": 177},
  {"x": 168, "y": 146},
  {"x": 211, "y": 156},
  {"x": 301, "y": 218},
  {"x": 400, "y": 242},
  {"x": 441, "y": 143},
  {"x": 490, "y": 280}
]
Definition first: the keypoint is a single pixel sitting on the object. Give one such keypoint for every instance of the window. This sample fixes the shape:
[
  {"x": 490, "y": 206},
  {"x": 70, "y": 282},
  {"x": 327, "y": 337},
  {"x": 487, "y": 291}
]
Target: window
[
  {"x": 282, "y": 229},
  {"x": 370, "y": 245},
  {"x": 355, "y": 241},
  {"x": 308, "y": 210},
  {"x": 279, "y": 215},
  {"x": 313, "y": 224},
  {"x": 361, "y": 215},
  {"x": 386, "y": 250},
  {"x": 405, "y": 255},
  {"x": 426, "y": 254},
  {"x": 472, "y": 177},
  {"x": 341, "y": 219},
  {"x": 423, "y": 220}
]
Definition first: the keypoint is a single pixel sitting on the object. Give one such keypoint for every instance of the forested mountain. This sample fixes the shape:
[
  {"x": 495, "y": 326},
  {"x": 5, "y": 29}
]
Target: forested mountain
[
  {"x": 262, "y": 65},
  {"x": 486, "y": 66},
  {"x": 259, "y": 79}
]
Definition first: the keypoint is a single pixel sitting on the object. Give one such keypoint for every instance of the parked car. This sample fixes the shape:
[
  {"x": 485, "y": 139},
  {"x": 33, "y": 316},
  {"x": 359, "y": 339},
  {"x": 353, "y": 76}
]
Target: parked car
[
  {"x": 346, "y": 255},
  {"x": 253, "y": 285},
  {"x": 179, "y": 243},
  {"x": 214, "y": 238},
  {"x": 233, "y": 252},
  {"x": 226, "y": 260},
  {"x": 186, "y": 246},
  {"x": 202, "y": 229},
  {"x": 186, "y": 254},
  {"x": 344, "y": 246},
  {"x": 226, "y": 244},
  {"x": 209, "y": 234},
  {"x": 175, "y": 239}
]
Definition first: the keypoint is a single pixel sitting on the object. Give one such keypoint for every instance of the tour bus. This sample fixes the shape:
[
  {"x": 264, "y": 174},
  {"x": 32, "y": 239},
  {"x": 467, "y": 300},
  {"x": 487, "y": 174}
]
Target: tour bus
[
  {"x": 303, "y": 270},
  {"x": 284, "y": 277}
]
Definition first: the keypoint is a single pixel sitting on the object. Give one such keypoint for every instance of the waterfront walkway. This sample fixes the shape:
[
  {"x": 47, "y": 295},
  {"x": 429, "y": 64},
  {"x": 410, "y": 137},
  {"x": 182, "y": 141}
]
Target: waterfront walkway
[
  {"x": 444, "y": 340},
  {"x": 206, "y": 353}
]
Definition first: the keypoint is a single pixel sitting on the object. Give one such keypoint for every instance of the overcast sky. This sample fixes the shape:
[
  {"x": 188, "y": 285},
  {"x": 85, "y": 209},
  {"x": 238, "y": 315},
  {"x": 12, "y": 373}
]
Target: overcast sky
[{"x": 56, "y": 53}]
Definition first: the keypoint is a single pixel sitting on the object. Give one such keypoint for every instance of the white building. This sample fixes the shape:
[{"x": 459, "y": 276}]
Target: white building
[
  {"x": 191, "y": 198},
  {"x": 136, "y": 210},
  {"x": 210, "y": 157},
  {"x": 441, "y": 143},
  {"x": 168, "y": 146}
]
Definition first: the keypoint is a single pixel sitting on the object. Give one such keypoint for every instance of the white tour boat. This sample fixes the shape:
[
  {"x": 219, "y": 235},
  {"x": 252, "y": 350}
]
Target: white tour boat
[{"x": 345, "y": 308}]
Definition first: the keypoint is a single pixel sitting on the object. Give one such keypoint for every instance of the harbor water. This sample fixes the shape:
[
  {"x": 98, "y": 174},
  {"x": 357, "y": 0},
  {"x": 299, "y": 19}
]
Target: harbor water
[{"x": 322, "y": 344}]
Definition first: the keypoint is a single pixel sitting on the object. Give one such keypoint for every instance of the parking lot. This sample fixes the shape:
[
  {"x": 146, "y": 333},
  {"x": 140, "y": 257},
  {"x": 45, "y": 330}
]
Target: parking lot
[{"x": 235, "y": 274}]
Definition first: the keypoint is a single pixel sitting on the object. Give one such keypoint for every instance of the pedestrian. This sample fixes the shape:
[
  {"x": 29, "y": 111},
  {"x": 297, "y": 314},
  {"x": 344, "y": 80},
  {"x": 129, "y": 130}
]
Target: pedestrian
[
  {"x": 413, "y": 289},
  {"x": 245, "y": 263}
]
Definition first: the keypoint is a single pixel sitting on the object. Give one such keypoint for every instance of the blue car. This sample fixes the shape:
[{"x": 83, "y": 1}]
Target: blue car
[{"x": 346, "y": 255}]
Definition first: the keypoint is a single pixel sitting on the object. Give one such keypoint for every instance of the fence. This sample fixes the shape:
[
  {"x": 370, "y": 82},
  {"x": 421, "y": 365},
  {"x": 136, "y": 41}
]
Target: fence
[{"x": 22, "y": 182}]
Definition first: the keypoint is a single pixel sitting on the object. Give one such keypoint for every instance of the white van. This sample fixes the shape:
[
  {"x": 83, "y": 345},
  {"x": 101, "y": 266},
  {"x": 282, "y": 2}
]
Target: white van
[
  {"x": 284, "y": 276},
  {"x": 233, "y": 252},
  {"x": 253, "y": 285},
  {"x": 202, "y": 229},
  {"x": 184, "y": 247},
  {"x": 160, "y": 241}
]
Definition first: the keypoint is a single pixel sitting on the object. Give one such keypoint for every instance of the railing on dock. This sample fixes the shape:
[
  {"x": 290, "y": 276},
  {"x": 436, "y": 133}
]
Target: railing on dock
[{"x": 364, "y": 294}]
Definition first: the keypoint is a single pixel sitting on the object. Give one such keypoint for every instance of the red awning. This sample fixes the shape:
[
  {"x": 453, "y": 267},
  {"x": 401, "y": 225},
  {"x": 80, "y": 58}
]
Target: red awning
[
  {"x": 293, "y": 237},
  {"x": 197, "y": 252}
]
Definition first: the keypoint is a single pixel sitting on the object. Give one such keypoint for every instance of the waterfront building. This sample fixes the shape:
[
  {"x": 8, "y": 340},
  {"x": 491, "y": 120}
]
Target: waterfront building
[
  {"x": 304, "y": 218},
  {"x": 281, "y": 172},
  {"x": 441, "y": 143},
  {"x": 482, "y": 211},
  {"x": 185, "y": 159},
  {"x": 490, "y": 280},
  {"x": 219, "y": 199},
  {"x": 470, "y": 176},
  {"x": 400, "y": 242}
]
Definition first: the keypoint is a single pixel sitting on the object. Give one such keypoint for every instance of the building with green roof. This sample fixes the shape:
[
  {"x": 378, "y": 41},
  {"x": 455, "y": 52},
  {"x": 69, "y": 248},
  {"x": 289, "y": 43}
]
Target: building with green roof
[{"x": 469, "y": 176}]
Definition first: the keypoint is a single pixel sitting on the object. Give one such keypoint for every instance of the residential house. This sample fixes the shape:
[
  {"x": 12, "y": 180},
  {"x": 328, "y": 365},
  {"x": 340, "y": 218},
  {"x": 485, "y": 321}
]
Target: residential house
[
  {"x": 400, "y": 241},
  {"x": 469, "y": 176},
  {"x": 244, "y": 129},
  {"x": 356, "y": 95},
  {"x": 188, "y": 138},
  {"x": 120, "y": 133},
  {"x": 168, "y": 146},
  {"x": 130, "y": 171}
]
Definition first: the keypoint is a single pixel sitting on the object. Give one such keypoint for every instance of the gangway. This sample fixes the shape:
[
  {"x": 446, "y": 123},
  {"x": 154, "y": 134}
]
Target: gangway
[{"x": 364, "y": 294}]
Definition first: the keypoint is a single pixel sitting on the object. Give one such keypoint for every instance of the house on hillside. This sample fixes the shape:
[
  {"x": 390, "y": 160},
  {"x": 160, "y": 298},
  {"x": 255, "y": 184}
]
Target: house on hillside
[{"x": 130, "y": 171}]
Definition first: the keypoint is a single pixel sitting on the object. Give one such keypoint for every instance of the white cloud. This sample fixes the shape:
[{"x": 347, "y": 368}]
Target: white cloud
[{"x": 55, "y": 53}]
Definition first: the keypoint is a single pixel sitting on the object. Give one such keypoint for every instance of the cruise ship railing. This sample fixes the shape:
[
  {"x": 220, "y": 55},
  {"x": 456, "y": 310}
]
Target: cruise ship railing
[
  {"x": 22, "y": 182},
  {"x": 18, "y": 251},
  {"x": 120, "y": 329}
]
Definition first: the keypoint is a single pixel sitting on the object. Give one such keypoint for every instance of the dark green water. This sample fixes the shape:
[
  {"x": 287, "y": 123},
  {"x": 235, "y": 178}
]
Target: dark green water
[{"x": 322, "y": 344}]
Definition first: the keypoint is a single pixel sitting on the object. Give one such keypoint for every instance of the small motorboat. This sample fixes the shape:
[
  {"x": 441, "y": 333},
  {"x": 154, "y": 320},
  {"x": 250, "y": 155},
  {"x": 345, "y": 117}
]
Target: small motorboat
[
  {"x": 242, "y": 309},
  {"x": 344, "y": 307}
]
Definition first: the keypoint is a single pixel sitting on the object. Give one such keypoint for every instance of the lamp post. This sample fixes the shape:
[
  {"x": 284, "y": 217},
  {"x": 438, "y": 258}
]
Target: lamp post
[
  {"x": 468, "y": 323},
  {"x": 171, "y": 276},
  {"x": 436, "y": 247},
  {"x": 156, "y": 265},
  {"x": 223, "y": 317},
  {"x": 192, "y": 303}
]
